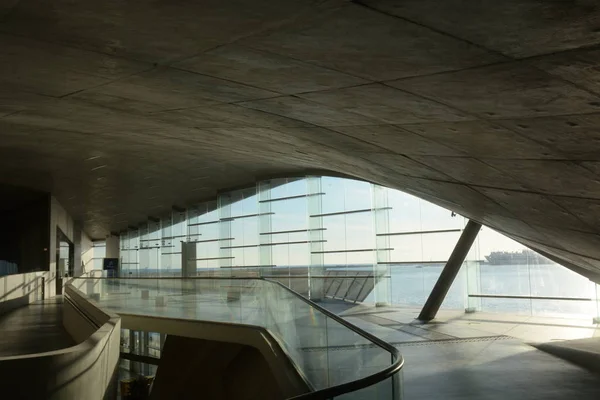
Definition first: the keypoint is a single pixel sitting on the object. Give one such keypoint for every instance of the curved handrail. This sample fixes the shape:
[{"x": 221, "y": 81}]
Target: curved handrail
[
  {"x": 332, "y": 391},
  {"x": 357, "y": 384}
]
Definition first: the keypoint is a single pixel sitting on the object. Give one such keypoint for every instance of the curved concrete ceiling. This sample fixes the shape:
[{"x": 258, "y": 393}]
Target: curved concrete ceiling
[{"x": 125, "y": 108}]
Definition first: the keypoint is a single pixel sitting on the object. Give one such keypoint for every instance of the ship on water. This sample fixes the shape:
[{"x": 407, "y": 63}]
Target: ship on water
[{"x": 525, "y": 256}]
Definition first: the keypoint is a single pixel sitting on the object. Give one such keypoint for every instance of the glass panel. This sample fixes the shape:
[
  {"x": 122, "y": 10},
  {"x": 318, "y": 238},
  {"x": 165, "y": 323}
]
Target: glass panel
[
  {"x": 562, "y": 308},
  {"x": 507, "y": 268},
  {"x": 327, "y": 352},
  {"x": 357, "y": 195},
  {"x": 511, "y": 306},
  {"x": 400, "y": 269},
  {"x": 289, "y": 214},
  {"x": 405, "y": 213},
  {"x": 287, "y": 187},
  {"x": 334, "y": 199}
]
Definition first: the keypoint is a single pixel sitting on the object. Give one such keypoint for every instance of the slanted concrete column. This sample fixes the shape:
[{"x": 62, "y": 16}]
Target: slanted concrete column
[{"x": 440, "y": 290}]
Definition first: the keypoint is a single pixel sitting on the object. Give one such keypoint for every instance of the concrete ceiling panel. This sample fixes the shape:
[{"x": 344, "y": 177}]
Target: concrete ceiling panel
[
  {"x": 576, "y": 137},
  {"x": 310, "y": 112},
  {"x": 330, "y": 138},
  {"x": 580, "y": 243},
  {"x": 397, "y": 140},
  {"x": 576, "y": 66},
  {"x": 386, "y": 104},
  {"x": 226, "y": 115},
  {"x": 167, "y": 88},
  {"x": 403, "y": 165},
  {"x": 519, "y": 28},
  {"x": 536, "y": 209},
  {"x": 471, "y": 171},
  {"x": 366, "y": 44},
  {"x": 503, "y": 91},
  {"x": 57, "y": 71},
  {"x": 268, "y": 71},
  {"x": 484, "y": 139},
  {"x": 158, "y": 32},
  {"x": 551, "y": 177},
  {"x": 587, "y": 210}
]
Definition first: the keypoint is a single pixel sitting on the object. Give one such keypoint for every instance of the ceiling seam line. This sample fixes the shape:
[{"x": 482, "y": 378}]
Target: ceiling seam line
[
  {"x": 360, "y": 3},
  {"x": 270, "y": 29}
]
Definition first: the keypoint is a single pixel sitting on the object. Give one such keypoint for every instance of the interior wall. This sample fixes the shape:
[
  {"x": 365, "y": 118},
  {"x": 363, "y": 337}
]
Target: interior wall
[
  {"x": 87, "y": 254},
  {"x": 21, "y": 289},
  {"x": 28, "y": 229},
  {"x": 59, "y": 219}
]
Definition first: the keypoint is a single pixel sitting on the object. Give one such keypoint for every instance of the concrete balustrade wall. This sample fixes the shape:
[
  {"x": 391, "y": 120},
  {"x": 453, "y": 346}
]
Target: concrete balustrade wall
[
  {"x": 87, "y": 370},
  {"x": 285, "y": 375}
]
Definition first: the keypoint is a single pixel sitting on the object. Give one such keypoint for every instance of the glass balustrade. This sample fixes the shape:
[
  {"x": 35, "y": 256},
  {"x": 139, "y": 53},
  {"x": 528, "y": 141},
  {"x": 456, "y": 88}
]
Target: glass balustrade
[{"x": 327, "y": 351}]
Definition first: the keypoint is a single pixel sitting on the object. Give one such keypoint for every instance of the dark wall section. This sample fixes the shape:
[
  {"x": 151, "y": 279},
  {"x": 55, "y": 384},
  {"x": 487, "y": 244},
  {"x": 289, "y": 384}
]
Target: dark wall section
[
  {"x": 24, "y": 229},
  {"x": 196, "y": 368}
]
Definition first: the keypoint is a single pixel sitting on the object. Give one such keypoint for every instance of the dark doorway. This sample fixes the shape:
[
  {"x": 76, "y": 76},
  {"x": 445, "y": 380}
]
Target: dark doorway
[{"x": 65, "y": 257}]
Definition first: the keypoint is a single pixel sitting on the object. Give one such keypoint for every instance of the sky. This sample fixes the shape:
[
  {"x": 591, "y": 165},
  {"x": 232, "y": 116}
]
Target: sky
[{"x": 407, "y": 213}]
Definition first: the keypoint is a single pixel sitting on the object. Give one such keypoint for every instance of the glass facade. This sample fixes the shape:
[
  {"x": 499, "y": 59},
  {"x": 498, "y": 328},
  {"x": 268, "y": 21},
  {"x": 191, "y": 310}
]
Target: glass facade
[
  {"x": 328, "y": 237},
  {"x": 506, "y": 276}
]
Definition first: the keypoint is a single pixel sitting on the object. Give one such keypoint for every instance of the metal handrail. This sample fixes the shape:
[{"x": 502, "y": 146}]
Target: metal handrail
[
  {"x": 332, "y": 391},
  {"x": 360, "y": 383},
  {"x": 525, "y": 297}
]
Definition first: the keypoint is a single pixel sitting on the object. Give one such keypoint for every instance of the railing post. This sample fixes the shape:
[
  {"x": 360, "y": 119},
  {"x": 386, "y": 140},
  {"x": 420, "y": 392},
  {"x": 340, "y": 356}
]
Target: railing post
[{"x": 440, "y": 290}]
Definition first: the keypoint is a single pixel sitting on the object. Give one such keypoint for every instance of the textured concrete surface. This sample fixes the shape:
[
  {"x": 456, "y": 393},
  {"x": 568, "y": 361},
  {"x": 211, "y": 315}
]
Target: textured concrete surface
[
  {"x": 583, "y": 352},
  {"x": 398, "y": 324},
  {"x": 493, "y": 368},
  {"x": 124, "y": 109},
  {"x": 84, "y": 371},
  {"x": 483, "y": 355},
  {"x": 35, "y": 328}
]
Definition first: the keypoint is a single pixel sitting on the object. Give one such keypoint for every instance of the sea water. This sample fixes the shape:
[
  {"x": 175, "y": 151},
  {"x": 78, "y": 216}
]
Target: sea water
[{"x": 411, "y": 285}]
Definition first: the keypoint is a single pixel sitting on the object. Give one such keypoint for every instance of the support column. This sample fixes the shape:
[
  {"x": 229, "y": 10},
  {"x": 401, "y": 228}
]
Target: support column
[
  {"x": 226, "y": 260},
  {"x": 440, "y": 290},
  {"x": 382, "y": 285},
  {"x": 265, "y": 224},
  {"x": 78, "y": 250},
  {"x": 113, "y": 250},
  {"x": 316, "y": 269},
  {"x": 188, "y": 259},
  {"x": 112, "y": 247}
]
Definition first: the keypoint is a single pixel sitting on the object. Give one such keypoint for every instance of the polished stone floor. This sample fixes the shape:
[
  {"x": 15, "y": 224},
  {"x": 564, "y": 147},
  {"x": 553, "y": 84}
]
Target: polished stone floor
[
  {"x": 480, "y": 355},
  {"x": 35, "y": 328},
  {"x": 399, "y": 324},
  {"x": 491, "y": 368}
]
